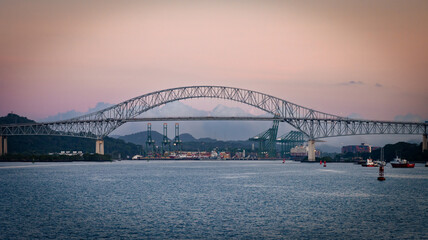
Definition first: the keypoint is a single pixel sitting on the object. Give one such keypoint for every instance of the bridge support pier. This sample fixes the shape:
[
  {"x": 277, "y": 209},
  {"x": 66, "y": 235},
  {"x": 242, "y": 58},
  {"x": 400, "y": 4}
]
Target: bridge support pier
[
  {"x": 424, "y": 143},
  {"x": 3, "y": 145},
  {"x": 311, "y": 150},
  {"x": 99, "y": 147}
]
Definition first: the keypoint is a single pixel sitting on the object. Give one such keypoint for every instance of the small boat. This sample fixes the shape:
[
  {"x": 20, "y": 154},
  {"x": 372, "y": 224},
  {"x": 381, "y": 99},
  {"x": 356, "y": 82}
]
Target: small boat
[
  {"x": 401, "y": 163},
  {"x": 360, "y": 161},
  {"x": 369, "y": 163}
]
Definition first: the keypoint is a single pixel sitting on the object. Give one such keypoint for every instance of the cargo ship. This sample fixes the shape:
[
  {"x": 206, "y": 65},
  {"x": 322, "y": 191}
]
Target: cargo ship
[{"x": 401, "y": 163}]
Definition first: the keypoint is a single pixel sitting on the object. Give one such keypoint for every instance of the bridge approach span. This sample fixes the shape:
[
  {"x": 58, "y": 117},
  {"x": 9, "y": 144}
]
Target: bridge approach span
[
  {"x": 314, "y": 124},
  {"x": 330, "y": 127}
]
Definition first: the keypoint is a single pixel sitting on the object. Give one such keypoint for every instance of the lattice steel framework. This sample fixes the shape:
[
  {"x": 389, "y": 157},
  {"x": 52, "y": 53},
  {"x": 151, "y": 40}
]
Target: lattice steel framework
[
  {"x": 150, "y": 142},
  {"x": 165, "y": 141},
  {"x": 290, "y": 140},
  {"x": 267, "y": 139},
  {"x": 313, "y": 123}
]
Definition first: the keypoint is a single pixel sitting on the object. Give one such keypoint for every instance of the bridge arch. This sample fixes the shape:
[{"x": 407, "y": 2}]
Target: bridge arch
[
  {"x": 279, "y": 108},
  {"x": 314, "y": 124}
]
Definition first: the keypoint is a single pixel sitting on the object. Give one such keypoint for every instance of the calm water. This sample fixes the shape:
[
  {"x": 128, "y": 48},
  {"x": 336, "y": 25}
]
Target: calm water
[{"x": 211, "y": 200}]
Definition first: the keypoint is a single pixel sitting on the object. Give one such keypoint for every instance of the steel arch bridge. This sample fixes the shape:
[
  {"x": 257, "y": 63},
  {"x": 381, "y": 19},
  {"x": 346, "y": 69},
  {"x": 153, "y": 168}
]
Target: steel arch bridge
[{"x": 314, "y": 124}]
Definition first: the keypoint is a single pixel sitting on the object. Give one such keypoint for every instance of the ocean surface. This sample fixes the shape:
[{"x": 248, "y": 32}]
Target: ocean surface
[{"x": 211, "y": 200}]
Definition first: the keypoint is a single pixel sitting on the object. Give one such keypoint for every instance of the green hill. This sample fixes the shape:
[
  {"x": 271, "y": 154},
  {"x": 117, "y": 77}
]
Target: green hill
[
  {"x": 51, "y": 144},
  {"x": 140, "y": 138},
  {"x": 409, "y": 151},
  {"x": 189, "y": 142}
]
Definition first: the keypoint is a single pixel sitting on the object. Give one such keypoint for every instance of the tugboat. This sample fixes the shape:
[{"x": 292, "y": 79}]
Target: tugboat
[
  {"x": 369, "y": 163},
  {"x": 401, "y": 163}
]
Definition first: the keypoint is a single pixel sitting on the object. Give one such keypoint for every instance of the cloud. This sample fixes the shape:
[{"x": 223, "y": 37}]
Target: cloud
[
  {"x": 355, "y": 83},
  {"x": 351, "y": 83}
]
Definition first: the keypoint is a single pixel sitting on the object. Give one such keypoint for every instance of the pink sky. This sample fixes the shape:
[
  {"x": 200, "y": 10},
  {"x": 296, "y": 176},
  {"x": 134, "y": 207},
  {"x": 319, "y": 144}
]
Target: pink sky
[{"x": 364, "y": 57}]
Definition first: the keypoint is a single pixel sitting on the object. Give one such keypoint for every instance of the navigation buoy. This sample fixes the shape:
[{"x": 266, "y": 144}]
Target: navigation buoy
[
  {"x": 325, "y": 164},
  {"x": 320, "y": 162},
  {"x": 381, "y": 166},
  {"x": 283, "y": 160},
  {"x": 381, "y": 173}
]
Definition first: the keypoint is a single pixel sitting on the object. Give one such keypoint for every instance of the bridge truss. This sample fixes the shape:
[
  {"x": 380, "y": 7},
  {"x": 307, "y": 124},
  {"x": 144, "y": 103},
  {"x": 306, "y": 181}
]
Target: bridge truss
[{"x": 314, "y": 124}]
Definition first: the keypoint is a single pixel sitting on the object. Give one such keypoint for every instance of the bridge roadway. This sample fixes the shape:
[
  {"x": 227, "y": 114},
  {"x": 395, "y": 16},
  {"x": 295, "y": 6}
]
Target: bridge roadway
[
  {"x": 348, "y": 127},
  {"x": 332, "y": 127},
  {"x": 209, "y": 118},
  {"x": 312, "y": 123}
]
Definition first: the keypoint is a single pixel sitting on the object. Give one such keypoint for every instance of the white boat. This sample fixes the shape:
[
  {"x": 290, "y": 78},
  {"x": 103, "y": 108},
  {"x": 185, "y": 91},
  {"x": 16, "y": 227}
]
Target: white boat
[{"x": 369, "y": 163}]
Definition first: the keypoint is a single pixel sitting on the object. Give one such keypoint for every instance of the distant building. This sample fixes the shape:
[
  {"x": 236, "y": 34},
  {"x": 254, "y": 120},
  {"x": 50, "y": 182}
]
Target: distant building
[
  {"x": 363, "y": 148},
  {"x": 300, "y": 152},
  {"x": 68, "y": 153}
]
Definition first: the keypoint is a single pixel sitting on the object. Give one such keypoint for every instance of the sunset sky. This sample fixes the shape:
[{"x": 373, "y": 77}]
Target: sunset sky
[{"x": 363, "y": 58}]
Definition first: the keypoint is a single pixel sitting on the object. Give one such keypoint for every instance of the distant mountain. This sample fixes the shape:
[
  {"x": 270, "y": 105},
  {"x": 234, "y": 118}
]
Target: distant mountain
[
  {"x": 140, "y": 138},
  {"x": 46, "y": 144},
  {"x": 221, "y": 110},
  {"x": 409, "y": 151},
  {"x": 226, "y": 130},
  {"x": 190, "y": 143},
  {"x": 328, "y": 148},
  {"x": 232, "y": 130},
  {"x": 207, "y": 140},
  {"x": 12, "y": 118},
  {"x": 175, "y": 109},
  {"x": 185, "y": 137},
  {"x": 73, "y": 113},
  {"x": 409, "y": 118},
  {"x": 115, "y": 136}
]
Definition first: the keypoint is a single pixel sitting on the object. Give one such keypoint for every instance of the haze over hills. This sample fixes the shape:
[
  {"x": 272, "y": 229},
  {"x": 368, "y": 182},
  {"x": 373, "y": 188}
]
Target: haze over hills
[
  {"x": 225, "y": 130},
  {"x": 233, "y": 130},
  {"x": 43, "y": 144},
  {"x": 140, "y": 138},
  {"x": 73, "y": 113},
  {"x": 50, "y": 144}
]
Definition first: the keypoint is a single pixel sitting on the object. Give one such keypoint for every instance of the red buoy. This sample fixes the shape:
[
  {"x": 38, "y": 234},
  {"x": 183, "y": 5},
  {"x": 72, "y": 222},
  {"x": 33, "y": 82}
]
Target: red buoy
[
  {"x": 320, "y": 162},
  {"x": 325, "y": 164},
  {"x": 381, "y": 173},
  {"x": 283, "y": 160}
]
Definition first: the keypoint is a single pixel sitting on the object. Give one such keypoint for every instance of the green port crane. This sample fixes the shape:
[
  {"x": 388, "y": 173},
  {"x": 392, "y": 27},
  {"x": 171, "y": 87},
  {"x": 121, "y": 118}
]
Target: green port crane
[
  {"x": 150, "y": 142},
  {"x": 267, "y": 140},
  {"x": 165, "y": 141},
  {"x": 177, "y": 142},
  {"x": 290, "y": 140}
]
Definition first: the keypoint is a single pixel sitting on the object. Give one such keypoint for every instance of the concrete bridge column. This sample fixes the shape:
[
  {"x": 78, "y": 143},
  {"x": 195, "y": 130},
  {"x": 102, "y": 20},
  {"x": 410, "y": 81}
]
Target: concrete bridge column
[
  {"x": 424, "y": 143},
  {"x": 311, "y": 150},
  {"x": 99, "y": 146},
  {"x": 3, "y": 145}
]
